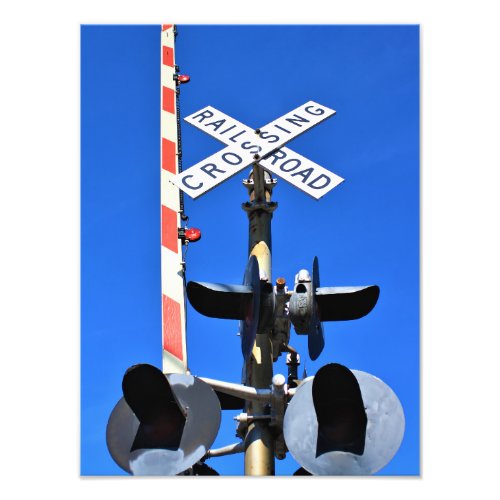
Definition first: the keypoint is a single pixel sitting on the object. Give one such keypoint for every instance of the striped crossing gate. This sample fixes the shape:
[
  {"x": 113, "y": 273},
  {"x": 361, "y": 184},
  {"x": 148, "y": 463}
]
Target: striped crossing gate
[{"x": 172, "y": 272}]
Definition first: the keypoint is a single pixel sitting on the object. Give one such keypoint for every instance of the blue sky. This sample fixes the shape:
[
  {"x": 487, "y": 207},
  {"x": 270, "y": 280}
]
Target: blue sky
[{"x": 366, "y": 231}]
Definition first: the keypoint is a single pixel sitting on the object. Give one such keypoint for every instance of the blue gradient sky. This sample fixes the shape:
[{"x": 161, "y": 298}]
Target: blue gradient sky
[{"x": 365, "y": 231}]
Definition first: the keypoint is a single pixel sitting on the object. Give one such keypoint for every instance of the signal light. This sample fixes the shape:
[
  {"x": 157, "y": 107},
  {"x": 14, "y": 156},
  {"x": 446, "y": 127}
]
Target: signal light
[
  {"x": 164, "y": 424},
  {"x": 343, "y": 422},
  {"x": 311, "y": 305},
  {"x": 192, "y": 234},
  {"x": 241, "y": 302},
  {"x": 150, "y": 397},
  {"x": 183, "y": 78},
  {"x": 340, "y": 411},
  {"x": 188, "y": 234}
]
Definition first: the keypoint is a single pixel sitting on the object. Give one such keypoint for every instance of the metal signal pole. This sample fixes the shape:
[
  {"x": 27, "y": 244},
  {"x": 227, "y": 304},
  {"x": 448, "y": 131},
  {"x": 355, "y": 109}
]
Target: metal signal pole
[{"x": 259, "y": 440}]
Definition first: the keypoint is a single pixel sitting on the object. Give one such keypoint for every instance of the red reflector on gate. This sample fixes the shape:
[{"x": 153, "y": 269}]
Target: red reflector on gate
[
  {"x": 183, "y": 78},
  {"x": 193, "y": 234}
]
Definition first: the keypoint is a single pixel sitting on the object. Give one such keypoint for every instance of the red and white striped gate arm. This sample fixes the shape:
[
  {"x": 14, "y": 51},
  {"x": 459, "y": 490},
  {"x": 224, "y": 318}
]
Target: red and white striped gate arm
[{"x": 172, "y": 282}]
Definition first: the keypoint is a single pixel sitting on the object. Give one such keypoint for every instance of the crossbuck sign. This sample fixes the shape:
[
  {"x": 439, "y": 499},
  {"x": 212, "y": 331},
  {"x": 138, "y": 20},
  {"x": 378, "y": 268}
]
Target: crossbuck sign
[{"x": 263, "y": 146}]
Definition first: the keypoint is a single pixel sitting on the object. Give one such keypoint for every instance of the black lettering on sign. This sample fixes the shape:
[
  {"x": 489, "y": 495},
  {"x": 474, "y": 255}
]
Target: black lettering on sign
[
  {"x": 237, "y": 135},
  {"x": 324, "y": 177},
  {"x": 277, "y": 155},
  {"x": 304, "y": 173},
  {"x": 217, "y": 124},
  {"x": 234, "y": 156},
  {"x": 211, "y": 167},
  {"x": 270, "y": 137},
  {"x": 297, "y": 120},
  {"x": 185, "y": 182},
  {"x": 228, "y": 129},
  {"x": 284, "y": 129},
  {"x": 297, "y": 164},
  {"x": 317, "y": 111},
  {"x": 248, "y": 145},
  {"x": 204, "y": 114}
]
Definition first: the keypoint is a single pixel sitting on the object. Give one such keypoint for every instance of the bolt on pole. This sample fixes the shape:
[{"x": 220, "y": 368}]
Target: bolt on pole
[{"x": 259, "y": 441}]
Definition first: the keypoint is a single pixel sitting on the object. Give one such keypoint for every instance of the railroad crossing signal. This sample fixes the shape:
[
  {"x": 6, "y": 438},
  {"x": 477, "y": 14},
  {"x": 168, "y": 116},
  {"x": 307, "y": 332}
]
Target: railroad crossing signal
[
  {"x": 241, "y": 302},
  {"x": 338, "y": 422},
  {"x": 263, "y": 146},
  {"x": 308, "y": 305},
  {"x": 341, "y": 421},
  {"x": 164, "y": 424}
]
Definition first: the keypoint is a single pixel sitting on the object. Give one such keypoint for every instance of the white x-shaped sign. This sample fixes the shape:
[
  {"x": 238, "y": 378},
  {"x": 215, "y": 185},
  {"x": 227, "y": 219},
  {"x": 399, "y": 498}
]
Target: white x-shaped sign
[{"x": 264, "y": 146}]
